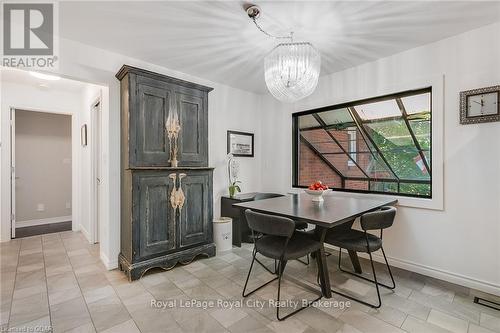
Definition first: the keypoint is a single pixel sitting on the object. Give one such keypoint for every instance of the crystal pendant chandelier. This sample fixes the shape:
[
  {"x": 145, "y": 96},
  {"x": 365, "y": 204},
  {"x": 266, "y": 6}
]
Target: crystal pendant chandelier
[{"x": 291, "y": 70}]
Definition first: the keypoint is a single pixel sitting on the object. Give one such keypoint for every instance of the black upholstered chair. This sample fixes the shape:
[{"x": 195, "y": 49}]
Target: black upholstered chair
[
  {"x": 281, "y": 242},
  {"x": 362, "y": 241},
  {"x": 299, "y": 225}
]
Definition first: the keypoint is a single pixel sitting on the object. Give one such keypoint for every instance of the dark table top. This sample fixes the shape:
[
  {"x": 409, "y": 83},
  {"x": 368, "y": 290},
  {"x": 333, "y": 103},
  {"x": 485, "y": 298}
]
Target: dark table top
[{"x": 333, "y": 211}]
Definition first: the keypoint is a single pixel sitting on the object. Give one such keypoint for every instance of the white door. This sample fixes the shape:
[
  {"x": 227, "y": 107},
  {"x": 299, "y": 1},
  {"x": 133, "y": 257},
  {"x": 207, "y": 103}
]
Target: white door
[
  {"x": 13, "y": 172},
  {"x": 96, "y": 167}
]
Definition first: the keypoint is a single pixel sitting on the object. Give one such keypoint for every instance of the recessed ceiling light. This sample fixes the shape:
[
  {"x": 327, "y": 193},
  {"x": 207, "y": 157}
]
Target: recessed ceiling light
[{"x": 45, "y": 76}]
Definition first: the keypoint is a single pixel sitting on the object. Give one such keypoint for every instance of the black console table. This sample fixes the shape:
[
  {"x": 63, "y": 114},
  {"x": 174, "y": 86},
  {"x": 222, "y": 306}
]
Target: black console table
[{"x": 241, "y": 233}]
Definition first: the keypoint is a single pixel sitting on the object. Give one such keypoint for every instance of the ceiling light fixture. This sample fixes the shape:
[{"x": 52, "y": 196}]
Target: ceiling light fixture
[
  {"x": 44, "y": 76},
  {"x": 291, "y": 69}
]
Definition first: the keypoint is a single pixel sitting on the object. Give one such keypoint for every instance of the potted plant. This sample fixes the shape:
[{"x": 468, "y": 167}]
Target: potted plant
[
  {"x": 234, "y": 188},
  {"x": 232, "y": 172}
]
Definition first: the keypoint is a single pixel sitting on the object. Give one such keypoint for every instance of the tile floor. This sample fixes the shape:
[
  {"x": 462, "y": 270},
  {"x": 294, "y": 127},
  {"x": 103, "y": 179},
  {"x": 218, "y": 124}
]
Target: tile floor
[{"x": 57, "y": 282}]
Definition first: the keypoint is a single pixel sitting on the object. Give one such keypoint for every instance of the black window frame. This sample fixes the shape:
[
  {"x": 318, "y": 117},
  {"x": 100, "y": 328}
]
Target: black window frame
[{"x": 393, "y": 96}]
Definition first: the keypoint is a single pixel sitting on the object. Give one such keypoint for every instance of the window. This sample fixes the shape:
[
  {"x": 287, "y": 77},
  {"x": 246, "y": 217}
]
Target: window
[{"x": 380, "y": 145}]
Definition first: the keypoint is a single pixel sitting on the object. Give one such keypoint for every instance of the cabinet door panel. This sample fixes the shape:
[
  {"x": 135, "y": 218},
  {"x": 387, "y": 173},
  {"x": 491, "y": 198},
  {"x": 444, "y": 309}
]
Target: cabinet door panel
[
  {"x": 155, "y": 215},
  {"x": 195, "y": 217},
  {"x": 152, "y": 143},
  {"x": 193, "y": 144}
]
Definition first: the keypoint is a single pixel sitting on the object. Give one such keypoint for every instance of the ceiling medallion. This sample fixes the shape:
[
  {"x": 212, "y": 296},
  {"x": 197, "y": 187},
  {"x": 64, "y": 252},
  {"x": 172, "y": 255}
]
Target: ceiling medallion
[{"x": 291, "y": 69}]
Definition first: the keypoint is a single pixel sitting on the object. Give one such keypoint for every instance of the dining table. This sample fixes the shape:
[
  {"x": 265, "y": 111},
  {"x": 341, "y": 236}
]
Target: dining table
[{"x": 335, "y": 210}]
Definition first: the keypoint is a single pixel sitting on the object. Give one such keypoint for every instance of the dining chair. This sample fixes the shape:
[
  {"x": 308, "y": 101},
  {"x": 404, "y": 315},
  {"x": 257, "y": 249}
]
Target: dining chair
[
  {"x": 362, "y": 241},
  {"x": 280, "y": 241},
  {"x": 299, "y": 225}
]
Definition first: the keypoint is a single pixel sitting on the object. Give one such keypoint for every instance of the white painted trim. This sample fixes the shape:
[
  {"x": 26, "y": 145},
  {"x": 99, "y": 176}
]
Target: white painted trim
[
  {"x": 110, "y": 265},
  {"x": 84, "y": 232},
  {"x": 49, "y": 220},
  {"x": 437, "y": 273}
]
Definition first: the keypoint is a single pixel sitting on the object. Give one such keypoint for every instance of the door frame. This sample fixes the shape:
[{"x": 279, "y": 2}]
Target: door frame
[
  {"x": 12, "y": 173},
  {"x": 95, "y": 157},
  {"x": 75, "y": 171}
]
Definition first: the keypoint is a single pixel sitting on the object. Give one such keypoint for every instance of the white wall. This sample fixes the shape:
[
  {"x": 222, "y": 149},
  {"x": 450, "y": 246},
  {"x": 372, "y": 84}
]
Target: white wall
[
  {"x": 28, "y": 97},
  {"x": 462, "y": 242},
  {"x": 43, "y": 166},
  {"x": 228, "y": 108}
]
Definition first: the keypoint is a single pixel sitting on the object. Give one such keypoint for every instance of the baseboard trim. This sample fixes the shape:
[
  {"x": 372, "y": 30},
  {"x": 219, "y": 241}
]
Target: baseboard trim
[
  {"x": 437, "y": 273},
  {"x": 84, "y": 232},
  {"x": 49, "y": 220},
  {"x": 110, "y": 265}
]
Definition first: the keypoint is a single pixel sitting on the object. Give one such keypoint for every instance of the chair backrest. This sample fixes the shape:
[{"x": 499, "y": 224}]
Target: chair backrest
[
  {"x": 379, "y": 219},
  {"x": 270, "y": 224},
  {"x": 261, "y": 196}
]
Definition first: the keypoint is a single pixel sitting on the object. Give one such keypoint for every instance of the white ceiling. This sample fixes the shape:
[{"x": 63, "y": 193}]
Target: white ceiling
[
  {"x": 217, "y": 41},
  {"x": 23, "y": 77}
]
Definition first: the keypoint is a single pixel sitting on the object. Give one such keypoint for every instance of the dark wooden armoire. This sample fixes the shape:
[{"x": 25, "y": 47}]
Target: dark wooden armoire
[{"x": 156, "y": 231}]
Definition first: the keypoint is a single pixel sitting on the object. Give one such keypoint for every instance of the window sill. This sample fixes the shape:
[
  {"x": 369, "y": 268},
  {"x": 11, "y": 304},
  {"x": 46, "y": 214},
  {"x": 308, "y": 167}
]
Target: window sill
[{"x": 421, "y": 203}]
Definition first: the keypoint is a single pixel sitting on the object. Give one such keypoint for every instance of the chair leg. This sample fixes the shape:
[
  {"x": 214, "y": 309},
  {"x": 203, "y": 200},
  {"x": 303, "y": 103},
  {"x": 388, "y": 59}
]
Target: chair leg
[
  {"x": 389, "y": 269},
  {"x": 374, "y": 281},
  {"x": 281, "y": 269},
  {"x": 248, "y": 277},
  {"x": 266, "y": 268},
  {"x": 367, "y": 279}
]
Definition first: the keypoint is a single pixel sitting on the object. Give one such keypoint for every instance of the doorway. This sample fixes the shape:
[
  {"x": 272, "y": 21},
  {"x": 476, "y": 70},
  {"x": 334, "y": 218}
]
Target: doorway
[{"x": 41, "y": 182}]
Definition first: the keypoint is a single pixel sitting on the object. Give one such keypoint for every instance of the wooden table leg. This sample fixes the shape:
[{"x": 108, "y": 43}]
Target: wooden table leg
[
  {"x": 355, "y": 261},
  {"x": 322, "y": 265}
]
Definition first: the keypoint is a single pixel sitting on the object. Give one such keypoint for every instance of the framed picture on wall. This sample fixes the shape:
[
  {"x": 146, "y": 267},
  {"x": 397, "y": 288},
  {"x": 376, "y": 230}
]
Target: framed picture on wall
[
  {"x": 240, "y": 144},
  {"x": 83, "y": 135}
]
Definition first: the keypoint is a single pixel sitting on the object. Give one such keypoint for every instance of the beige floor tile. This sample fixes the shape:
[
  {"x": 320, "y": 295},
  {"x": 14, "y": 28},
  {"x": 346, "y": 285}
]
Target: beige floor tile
[
  {"x": 153, "y": 279},
  {"x": 69, "y": 315},
  {"x": 164, "y": 291},
  {"x": 346, "y": 328},
  {"x": 77, "y": 280},
  {"x": 249, "y": 324},
  {"x": 290, "y": 325},
  {"x": 93, "y": 295},
  {"x": 434, "y": 290},
  {"x": 407, "y": 306},
  {"x": 108, "y": 312},
  {"x": 317, "y": 319},
  {"x": 128, "y": 326},
  {"x": 60, "y": 282},
  {"x": 227, "y": 317},
  {"x": 78, "y": 252},
  {"x": 154, "y": 321},
  {"x": 38, "y": 325},
  {"x": 447, "y": 321},
  {"x": 28, "y": 309},
  {"x": 85, "y": 328},
  {"x": 441, "y": 304},
  {"x": 415, "y": 325},
  {"x": 202, "y": 323},
  {"x": 28, "y": 291},
  {"x": 366, "y": 323},
  {"x": 55, "y": 270},
  {"x": 389, "y": 315},
  {"x": 490, "y": 322},
  {"x": 30, "y": 279},
  {"x": 57, "y": 297},
  {"x": 473, "y": 328}
]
